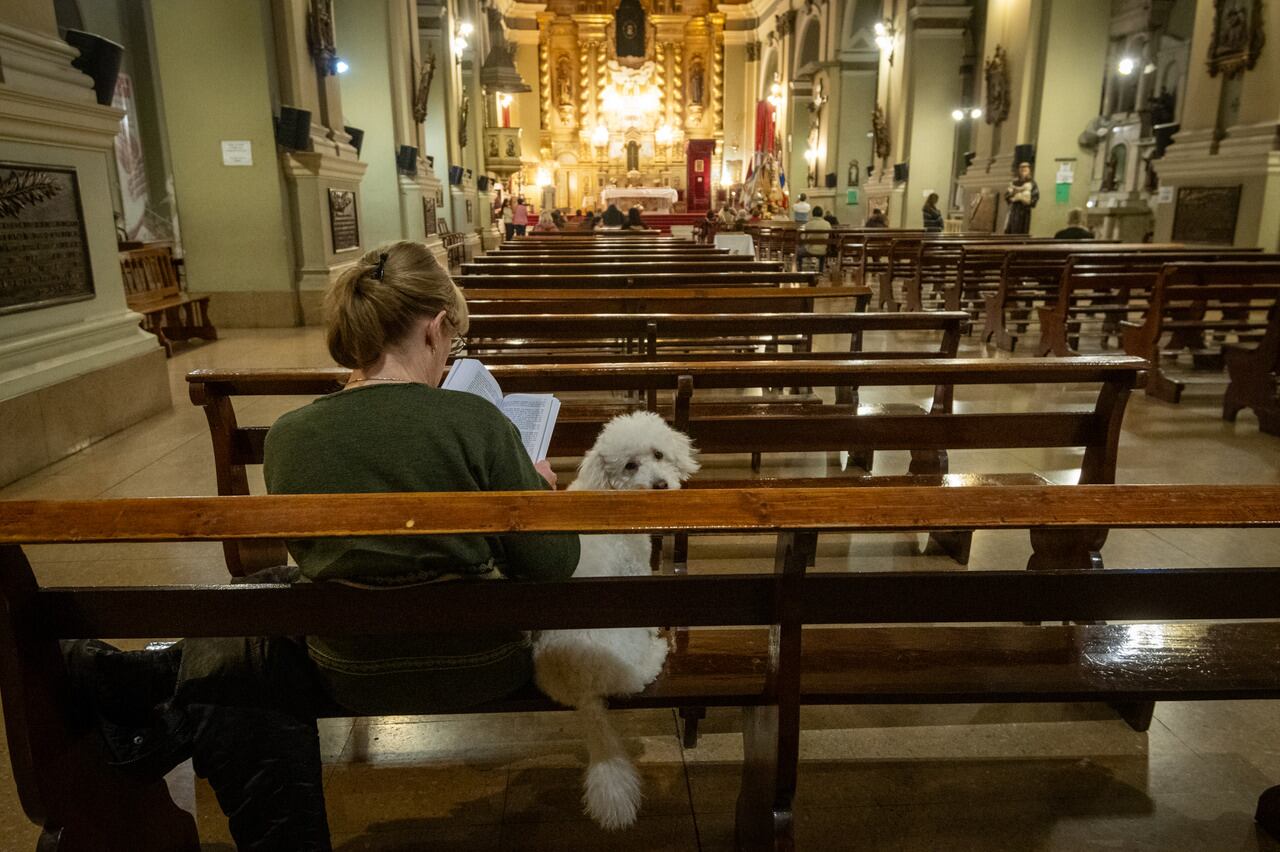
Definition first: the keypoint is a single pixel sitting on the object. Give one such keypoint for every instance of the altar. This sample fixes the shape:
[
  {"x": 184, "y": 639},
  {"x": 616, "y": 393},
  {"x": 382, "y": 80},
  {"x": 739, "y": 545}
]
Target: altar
[{"x": 654, "y": 199}]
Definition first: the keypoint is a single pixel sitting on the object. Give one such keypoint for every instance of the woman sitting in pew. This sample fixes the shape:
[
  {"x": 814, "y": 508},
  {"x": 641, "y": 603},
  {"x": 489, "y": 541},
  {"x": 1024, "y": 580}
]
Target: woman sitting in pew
[
  {"x": 634, "y": 221},
  {"x": 245, "y": 709}
]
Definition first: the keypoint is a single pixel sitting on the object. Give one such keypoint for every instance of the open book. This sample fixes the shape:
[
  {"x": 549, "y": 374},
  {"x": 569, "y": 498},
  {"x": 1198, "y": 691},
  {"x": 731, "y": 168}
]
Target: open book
[{"x": 533, "y": 413}]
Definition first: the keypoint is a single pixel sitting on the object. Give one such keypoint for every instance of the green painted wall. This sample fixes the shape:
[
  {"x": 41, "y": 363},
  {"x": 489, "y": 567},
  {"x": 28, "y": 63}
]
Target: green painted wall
[
  {"x": 362, "y": 27},
  {"x": 212, "y": 64}
]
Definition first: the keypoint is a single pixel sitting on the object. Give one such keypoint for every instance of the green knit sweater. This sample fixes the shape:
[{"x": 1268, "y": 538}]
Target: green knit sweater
[{"x": 410, "y": 437}]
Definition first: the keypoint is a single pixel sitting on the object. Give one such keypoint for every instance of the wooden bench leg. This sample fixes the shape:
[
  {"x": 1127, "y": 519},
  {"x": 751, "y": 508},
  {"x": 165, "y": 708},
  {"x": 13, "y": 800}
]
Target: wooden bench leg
[
  {"x": 954, "y": 543},
  {"x": 1061, "y": 550},
  {"x": 1137, "y": 714},
  {"x": 689, "y": 718},
  {"x": 1268, "y": 813},
  {"x": 764, "y": 813}
]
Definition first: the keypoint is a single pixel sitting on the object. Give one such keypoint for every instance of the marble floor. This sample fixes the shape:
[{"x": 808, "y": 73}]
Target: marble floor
[{"x": 1062, "y": 777}]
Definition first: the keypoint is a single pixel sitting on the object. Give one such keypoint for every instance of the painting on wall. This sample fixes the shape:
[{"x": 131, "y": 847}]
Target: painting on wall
[
  {"x": 1237, "y": 36},
  {"x": 44, "y": 252},
  {"x": 1206, "y": 214}
]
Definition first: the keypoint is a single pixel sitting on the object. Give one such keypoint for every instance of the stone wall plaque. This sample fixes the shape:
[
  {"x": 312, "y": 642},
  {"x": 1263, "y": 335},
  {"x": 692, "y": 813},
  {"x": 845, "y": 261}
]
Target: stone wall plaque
[
  {"x": 1206, "y": 214},
  {"x": 44, "y": 253},
  {"x": 343, "y": 222}
]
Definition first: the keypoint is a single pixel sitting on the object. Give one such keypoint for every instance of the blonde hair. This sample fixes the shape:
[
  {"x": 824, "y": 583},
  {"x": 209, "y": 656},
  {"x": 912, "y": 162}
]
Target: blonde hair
[{"x": 374, "y": 303}]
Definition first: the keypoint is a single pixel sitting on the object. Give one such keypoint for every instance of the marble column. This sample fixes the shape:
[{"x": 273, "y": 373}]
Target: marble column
[{"x": 70, "y": 373}]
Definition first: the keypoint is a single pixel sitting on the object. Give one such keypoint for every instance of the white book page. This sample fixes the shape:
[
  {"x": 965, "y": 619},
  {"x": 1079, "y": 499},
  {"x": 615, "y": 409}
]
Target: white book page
[
  {"x": 535, "y": 418},
  {"x": 470, "y": 376}
]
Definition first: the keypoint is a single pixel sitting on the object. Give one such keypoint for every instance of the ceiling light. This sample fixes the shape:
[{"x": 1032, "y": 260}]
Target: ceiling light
[
  {"x": 1126, "y": 65},
  {"x": 975, "y": 113},
  {"x": 957, "y": 114}
]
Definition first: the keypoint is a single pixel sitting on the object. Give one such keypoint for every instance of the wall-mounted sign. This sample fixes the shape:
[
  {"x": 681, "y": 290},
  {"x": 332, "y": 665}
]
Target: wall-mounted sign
[
  {"x": 1165, "y": 195},
  {"x": 44, "y": 254},
  {"x": 851, "y": 196},
  {"x": 343, "y": 222},
  {"x": 1066, "y": 172},
  {"x": 237, "y": 152}
]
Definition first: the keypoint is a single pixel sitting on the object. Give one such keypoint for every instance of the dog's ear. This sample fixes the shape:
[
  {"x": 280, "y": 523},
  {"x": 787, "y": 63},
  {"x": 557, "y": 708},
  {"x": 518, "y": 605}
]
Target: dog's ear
[
  {"x": 592, "y": 472},
  {"x": 686, "y": 460}
]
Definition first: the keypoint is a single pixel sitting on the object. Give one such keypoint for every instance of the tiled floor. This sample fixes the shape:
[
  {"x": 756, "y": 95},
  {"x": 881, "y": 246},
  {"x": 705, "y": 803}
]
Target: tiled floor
[{"x": 961, "y": 777}]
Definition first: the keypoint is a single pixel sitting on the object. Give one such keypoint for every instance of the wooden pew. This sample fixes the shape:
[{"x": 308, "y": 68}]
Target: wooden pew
[
  {"x": 151, "y": 288},
  {"x": 533, "y": 278},
  {"x": 929, "y": 257},
  {"x": 759, "y": 647},
  {"x": 1255, "y": 378},
  {"x": 1107, "y": 288},
  {"x": 981, "y": 266},
  {"x": 668, "y": 300},
  {"x": 820, "y": 429},
  {"x": 1031, "y": 277},
  {"x": 1198, "y": 305},
  {"x": 569, "y": 263}
]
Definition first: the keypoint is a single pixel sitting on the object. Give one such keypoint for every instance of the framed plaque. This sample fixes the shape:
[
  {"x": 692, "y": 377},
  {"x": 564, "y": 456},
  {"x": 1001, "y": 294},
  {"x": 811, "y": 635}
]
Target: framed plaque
[
  {"x": 44, "y": 253},
  {"x": 1206, "y": 214},
  {"x": 428, "y": 215},
  {"x": 344, "y": 224}
]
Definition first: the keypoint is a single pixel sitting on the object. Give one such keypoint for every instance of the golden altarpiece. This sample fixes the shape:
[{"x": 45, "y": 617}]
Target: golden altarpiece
[{"x": 631, "y": 96}]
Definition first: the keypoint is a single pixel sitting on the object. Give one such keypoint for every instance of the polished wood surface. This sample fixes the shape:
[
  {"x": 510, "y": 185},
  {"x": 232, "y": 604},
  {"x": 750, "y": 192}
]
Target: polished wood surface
[
  {"x": 755, "y": 510},
  {"x": 770, "y": 671},
  {"x": 152, "y": 289}
]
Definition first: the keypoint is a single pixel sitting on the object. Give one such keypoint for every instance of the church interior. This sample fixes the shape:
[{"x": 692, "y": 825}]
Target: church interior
[{"x": 970, "y": 310}]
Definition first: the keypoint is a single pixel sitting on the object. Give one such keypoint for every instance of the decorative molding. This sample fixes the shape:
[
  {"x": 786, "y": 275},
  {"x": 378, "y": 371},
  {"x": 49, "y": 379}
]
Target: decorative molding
[
  {"x": 814, "y": 7},
  {"x": 996, "y": 75},
  {"x": 1238, "y": 37},
  {"x": 785, "y": 23},
  {"x": 32, "y": 62},
  {"x": 753, "y": 51}
]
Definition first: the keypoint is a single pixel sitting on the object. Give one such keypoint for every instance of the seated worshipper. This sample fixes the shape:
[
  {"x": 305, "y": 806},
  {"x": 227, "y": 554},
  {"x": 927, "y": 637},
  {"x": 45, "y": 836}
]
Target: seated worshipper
[
  {"x": 802, "y": 210},
  {"x": 588, "y": 222},
  {"x": 612, "y": 218},
  {"x": 546, "y": 223},
  {"x": 1075, "y": 229},
  {"x": 727, "y": 218},
  {"x": 932, "y": 215},
  {"x": 877, "y": 219},
  {"x": 813, "y": 247},
  {"x": 634, "y": 222},
  {"x": 562, "y": 224},
  {"x": 245, "y": 709},
  {"x": 831, "y": 219}
]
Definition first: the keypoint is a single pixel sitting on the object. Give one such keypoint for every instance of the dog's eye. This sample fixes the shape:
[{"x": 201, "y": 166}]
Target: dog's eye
[
  {"x": 657, "y": 454},
  {"x": 631, "y": 465}
]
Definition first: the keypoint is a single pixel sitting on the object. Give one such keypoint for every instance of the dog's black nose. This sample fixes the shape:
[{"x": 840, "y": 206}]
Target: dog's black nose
[{"x": 661, "y": 485}]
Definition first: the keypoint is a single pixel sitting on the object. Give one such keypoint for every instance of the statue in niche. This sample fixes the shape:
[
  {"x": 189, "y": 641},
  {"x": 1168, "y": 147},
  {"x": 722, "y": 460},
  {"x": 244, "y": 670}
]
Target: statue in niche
[
  {"x": 633, "y": 156},
  {"x": 564, "y": 82},
  {"x": 996, "y": 75},
  {"x": 696, "y": 83},
  {"x": 854, "y": 173},
  {"x": 629, "y": 27},
  {"x": 493, "y": 146},
  {"x": 321, "y": 41},
  {"x": 511, "y": 147},
  {"x": 422, "y": 91}
]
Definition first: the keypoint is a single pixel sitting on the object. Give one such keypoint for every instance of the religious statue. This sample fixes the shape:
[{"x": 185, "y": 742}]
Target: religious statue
[
  {"x": 564, "y": 82},
  {"x": 696, "y": 84},
  {"x": 880, "y": 133},
  {"x": 996, "y": 74},
  {"x": 493, "y": 146},
  {"x": 1237, "y": 38},
  {"x": 1022, "y": 194},
  {"x": 464, "y": 110},
  {"x": 511, "y": 147},
  {"x": 422, "y": 91},
  {"x": 321, "y": 41},
  {"x": 854, "y": 173}
]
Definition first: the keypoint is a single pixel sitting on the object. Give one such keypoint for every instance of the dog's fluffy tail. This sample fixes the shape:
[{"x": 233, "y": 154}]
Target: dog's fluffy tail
[{"x": 611, "y": 785}]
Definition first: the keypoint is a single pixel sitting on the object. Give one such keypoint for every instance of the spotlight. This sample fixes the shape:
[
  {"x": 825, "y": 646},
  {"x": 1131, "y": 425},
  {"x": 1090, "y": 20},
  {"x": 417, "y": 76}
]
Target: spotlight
[
  {"x": 1126, "y": 65},
  {"x": 465, "y": 29},
  {"x": 341, "y": 67},
  {"x": 957, "y": 114},
  {"x": 975, "y": 113}
]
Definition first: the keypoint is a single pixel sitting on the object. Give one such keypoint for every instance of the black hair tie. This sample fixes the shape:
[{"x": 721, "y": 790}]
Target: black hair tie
[{"x": 377, "y": 270}]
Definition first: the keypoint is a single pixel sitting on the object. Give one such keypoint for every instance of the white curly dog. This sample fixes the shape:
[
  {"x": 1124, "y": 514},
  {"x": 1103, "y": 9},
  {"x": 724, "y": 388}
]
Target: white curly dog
[{"x": 581, "y": 668}]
